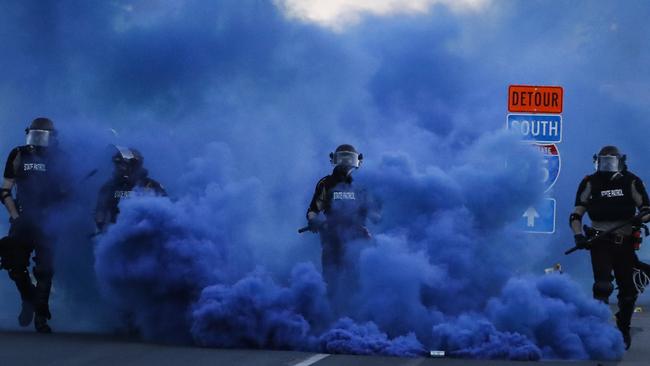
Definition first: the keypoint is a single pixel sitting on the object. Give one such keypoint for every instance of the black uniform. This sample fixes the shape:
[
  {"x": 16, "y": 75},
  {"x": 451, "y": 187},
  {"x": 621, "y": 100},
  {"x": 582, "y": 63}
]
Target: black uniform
[
  {"x": 39, "y": 175},
  {"x": 611, "y": 199},
  {"x": 119, "y": 188},
  {"x": 346, "y": 209}
]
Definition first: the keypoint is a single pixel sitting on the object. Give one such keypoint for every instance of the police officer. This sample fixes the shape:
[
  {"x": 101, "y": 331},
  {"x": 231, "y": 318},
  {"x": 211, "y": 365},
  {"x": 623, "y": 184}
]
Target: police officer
[
  {"x": 612, "y": 196},
  {"x": 345, "y": 207},
  {"x": 129, "y": 176},
  {"x": 36, "y": 170}
]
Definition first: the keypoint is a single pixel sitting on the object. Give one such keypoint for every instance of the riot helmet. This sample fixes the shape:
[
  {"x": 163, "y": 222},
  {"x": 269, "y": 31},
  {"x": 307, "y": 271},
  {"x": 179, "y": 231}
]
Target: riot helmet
[
  {"x": 609, "y": 160},
  {"x": 346, "y": 156},
  {"x": 40, "y": 132},
  {"x": 127, "y": 162}
]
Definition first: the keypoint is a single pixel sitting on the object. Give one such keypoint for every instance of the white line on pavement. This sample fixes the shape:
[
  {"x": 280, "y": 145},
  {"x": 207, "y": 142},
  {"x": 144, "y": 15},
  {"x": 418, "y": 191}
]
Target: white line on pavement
[{"x": 311, "y": 360}]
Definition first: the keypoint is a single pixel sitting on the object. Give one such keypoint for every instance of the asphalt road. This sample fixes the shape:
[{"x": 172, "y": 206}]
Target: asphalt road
[{"x": 28, "y": 348}]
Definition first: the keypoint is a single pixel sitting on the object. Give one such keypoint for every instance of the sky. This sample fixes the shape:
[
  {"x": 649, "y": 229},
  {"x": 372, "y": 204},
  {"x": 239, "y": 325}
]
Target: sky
[{"x": 237, "y": 104}]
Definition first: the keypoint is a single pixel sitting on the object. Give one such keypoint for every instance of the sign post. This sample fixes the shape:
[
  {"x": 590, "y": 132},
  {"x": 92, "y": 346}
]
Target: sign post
[
  {"x": 539, "y": 128},
  {"x": 536, "y": 117},
  {"x": 535, "y": 99}
]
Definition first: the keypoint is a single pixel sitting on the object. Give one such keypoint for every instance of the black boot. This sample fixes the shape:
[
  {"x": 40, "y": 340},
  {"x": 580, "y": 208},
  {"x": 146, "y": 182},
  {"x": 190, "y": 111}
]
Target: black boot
[
  {"x": 42, "y": 316},
  {"x": 41, "y": 302},
  {"x": 40, "y": 323},
  {"x": 27, "y": 291},
  {"x": 624, "y": 327},
  {"x": 624, "y": 317}
]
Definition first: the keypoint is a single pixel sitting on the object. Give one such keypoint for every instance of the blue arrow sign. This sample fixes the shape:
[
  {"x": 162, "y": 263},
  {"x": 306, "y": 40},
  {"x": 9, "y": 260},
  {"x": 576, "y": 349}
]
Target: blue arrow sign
[
  {"x": 546, "y": 128},
  {"x": 539, "y": 218}
]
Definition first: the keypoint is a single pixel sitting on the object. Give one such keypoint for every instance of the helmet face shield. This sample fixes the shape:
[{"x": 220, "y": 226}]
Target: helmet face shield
[
  {"x": 125, "y": 152},
  {"x": 38, "y": 137},
  {"x": 346, "y": 158},
  {"x": 608, "y": 163}
]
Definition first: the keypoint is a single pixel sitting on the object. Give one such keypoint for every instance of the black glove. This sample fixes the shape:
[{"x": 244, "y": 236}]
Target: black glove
[
  {"x": 638, "y": 219},
  {"x": 313, "y": 225},
  {"x": 581, "y": 241}
]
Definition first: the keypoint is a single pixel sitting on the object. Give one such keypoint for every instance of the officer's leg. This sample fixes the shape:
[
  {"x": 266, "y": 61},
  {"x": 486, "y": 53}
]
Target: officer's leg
[
  {"x": 23, "y": 284},
  {"x": 20, "y": 276},
  {"x": 602, "y": 268},
  {"x": 624, "y": 261},
  {"x": 43, "y": 271},
  {"x": 16, "y": 261},
  {"x": 331, "y": 263}
]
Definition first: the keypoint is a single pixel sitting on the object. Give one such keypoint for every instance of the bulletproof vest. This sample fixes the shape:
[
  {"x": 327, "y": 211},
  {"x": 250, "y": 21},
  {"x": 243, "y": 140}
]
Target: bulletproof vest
[
  {"x": 611, "y": 199},
  {"x": 346, "y": 204},
  {"x": 37, "y": 184},
  {"x": 120, "y": 189}
]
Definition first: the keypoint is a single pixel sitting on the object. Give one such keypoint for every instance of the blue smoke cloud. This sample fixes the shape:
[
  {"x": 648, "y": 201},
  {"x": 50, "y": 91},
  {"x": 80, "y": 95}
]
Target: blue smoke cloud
[
  {"x": 235, "y": 111},
  {"x": 553, "y": 313}
]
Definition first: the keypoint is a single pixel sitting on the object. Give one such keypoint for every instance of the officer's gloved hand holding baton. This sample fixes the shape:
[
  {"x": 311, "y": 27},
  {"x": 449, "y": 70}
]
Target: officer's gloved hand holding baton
[
  {"x": 581, "y": 241},
  {"x": 313, "y": 226},
  {"x": 313, "y": 223}
]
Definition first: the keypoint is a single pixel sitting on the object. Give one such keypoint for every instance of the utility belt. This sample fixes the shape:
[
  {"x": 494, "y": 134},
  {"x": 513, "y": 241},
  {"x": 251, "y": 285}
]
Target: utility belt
[
  {"x": 611, "y": 237},
  {"x": 634, "y": 238}
]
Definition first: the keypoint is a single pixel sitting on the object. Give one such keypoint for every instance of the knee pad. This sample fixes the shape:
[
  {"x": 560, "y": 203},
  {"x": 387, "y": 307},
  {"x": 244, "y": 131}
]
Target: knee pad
[{"x": 602, "y": 290}]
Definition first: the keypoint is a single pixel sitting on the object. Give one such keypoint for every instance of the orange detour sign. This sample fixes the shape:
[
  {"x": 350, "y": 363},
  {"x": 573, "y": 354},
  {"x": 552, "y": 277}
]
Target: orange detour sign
[{"x": 535, "y": 99}]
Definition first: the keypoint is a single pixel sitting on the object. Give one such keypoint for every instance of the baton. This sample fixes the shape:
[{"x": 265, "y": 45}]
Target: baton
[{"x": 640, "y": 215}]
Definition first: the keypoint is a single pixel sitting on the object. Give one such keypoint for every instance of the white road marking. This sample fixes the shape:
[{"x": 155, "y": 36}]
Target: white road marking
[{"x": 311, "y": 360}]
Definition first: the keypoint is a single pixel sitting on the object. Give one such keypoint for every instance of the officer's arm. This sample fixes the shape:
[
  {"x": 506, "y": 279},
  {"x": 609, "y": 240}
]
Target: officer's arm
[
  {"x": 157, "y": 188},
  {"x": 102, "y": 218},
  {"x": 9, "y": 180},
  {"x": 102, "y": 210},
  {"x": 160, "y": 190},
  {"x": 641, "y": 198},
  {"x": 317, "y": 201},
  {"x": 581, "y": 202},
  {"x": 575, "y": 220},
  {"x": 7, "y": 199}
]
